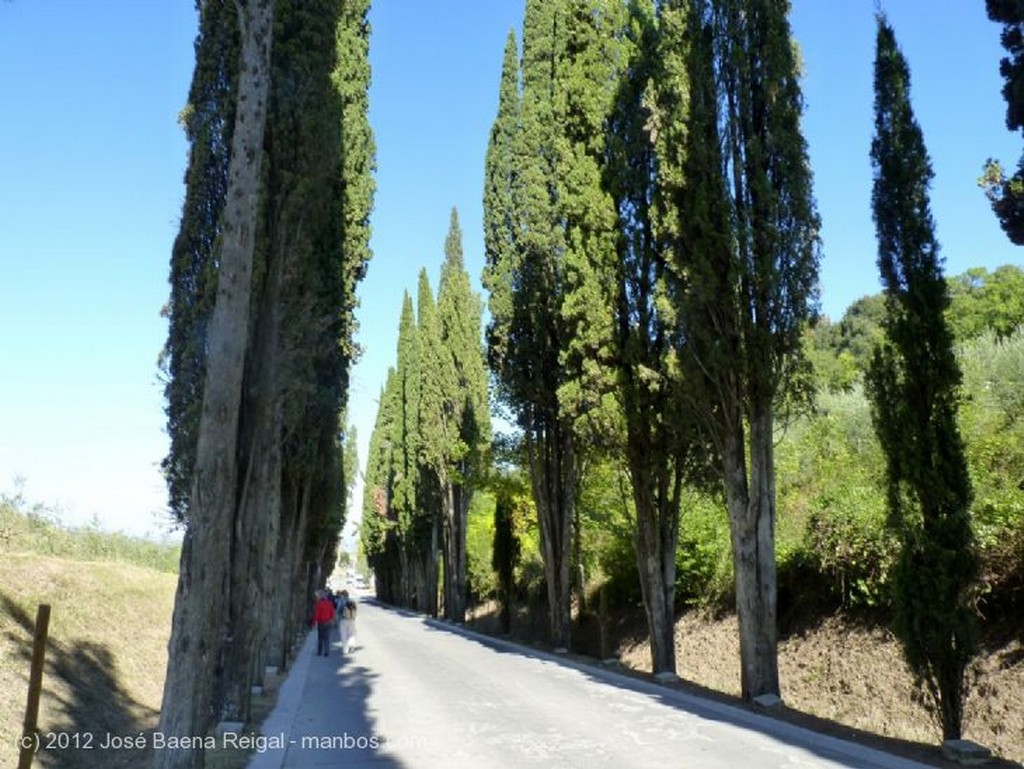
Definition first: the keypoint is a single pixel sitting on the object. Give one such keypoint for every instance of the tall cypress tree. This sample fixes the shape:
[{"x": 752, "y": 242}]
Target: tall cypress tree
[
  {"x": 648, "y": 379},
  {"x": 467, "y": 410},
  {"x": 378, "y": 528},
  {"x": 528, "y": 332},
  {"x": 405, "y": 439},
  {"x": 913, "y": 383},
  {"x": 501, "y": 180},
  {"x": 431, "y": 423},
  {"x": 199, "y": 632},
  {"x": 298, "y": 320},
  {"x": 739, "y": 218}
]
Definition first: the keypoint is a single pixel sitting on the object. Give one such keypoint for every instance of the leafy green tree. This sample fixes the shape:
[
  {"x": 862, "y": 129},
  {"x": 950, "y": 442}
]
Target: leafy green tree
[
  {"x": 527, "y": 333},
  {"x": 981, "y": 301},
  {"x": 647, "y": 381},
  {"x": 914, "y": 384},
  {"x": 745, "y": 249},
  {"x": 1007, "y": 193}
]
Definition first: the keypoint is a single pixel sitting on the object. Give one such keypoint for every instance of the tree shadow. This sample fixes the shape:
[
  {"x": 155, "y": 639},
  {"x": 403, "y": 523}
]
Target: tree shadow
[
  {"x": 326, "y": 718},
  {"x": 822, "y": 737},
  {"x": 83, "y": 705}
]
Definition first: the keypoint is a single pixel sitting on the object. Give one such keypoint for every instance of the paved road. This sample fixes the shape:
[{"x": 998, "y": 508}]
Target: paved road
[{"x": 420, "y": 694}]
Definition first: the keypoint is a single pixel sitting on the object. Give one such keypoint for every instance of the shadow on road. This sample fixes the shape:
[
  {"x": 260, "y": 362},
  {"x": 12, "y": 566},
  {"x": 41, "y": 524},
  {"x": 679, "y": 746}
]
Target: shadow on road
[
  {"x": 333, "y": 726},
  {"x": 823, "y": 738}
]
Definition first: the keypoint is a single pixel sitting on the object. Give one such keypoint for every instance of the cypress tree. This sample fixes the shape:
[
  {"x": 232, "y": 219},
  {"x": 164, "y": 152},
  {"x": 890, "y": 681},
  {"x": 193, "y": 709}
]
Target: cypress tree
[
  {"x": 506, "y": 552},
  {"x": 739, "y": 218},
  {"x": 434, "y": 380},
  {"x": 913, "y": 383},
  {"x": 190, "y": 702},
  {"x": 208, "y": 119},
  {"x": 378, "y": 528},
  {"x": 467, "y": 410},
  {"x": 501, "y": 179},
  {"x": 648, "y": 383},
  {"x": 404, "y": 442},
  {"x": 528, "y": 333},
  {"x": 288, "y": 507}
]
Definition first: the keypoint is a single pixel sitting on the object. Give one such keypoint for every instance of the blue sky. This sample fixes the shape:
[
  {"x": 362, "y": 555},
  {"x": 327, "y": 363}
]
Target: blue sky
[{"x": 91, "y": 164}]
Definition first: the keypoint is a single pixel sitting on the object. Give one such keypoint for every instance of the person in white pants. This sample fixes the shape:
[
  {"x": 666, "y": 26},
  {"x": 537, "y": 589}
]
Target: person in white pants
[{"x": 348, "y": 623}]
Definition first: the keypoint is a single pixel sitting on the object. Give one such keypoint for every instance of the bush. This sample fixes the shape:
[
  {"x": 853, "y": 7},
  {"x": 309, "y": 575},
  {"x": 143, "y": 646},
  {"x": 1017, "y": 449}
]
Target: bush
[
  {"x": 37, "y": 529},
  {"x": 704, "y": 571},
  {"x": 848, "y": 545}
]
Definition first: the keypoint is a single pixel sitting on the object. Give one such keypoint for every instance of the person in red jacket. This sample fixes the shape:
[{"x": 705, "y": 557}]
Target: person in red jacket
[{"x": 323, "y": 618}]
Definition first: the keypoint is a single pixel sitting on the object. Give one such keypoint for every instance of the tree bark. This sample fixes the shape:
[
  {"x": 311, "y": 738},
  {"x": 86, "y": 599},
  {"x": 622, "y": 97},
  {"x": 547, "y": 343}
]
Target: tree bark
[
  {"x": 552, "y": 471},
  {"x": 257, "y": 524},
  {"x": 656, "y": 535},
  {"x": 752, "y": 525},
  {"x": 198, "y": 630}
]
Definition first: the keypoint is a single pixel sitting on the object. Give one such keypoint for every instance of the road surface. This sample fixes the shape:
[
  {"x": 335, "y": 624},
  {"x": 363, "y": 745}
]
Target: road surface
[{"x": 420, "y": 694}]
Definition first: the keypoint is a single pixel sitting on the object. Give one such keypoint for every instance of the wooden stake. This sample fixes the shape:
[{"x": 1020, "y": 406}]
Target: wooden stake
[{"x": 29, "y": 735}]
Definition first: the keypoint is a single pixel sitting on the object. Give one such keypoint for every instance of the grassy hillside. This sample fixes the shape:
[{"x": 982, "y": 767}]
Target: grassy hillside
[{"x": 109, "y": 625}]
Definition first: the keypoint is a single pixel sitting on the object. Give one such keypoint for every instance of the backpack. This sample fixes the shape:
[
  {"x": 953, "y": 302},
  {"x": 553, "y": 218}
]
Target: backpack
[{"x": 349, "y": 612}]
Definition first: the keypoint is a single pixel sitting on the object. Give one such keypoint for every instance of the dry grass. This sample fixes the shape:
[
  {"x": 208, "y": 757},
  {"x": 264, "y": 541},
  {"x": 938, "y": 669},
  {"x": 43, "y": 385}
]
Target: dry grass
[{"x": 105, "y": 660}]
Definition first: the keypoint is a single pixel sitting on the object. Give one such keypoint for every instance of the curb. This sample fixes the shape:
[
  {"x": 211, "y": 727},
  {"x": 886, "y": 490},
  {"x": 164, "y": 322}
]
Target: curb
[{"x": 282, "y": 717}]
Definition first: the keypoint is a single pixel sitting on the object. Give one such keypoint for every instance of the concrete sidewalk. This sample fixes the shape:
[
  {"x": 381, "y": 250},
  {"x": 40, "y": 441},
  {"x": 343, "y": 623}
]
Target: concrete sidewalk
[{"x": 320, "y": 719}]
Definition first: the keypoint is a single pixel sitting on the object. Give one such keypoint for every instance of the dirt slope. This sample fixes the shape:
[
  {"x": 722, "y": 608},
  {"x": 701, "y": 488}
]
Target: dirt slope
[{"x": 854, "y": 675}]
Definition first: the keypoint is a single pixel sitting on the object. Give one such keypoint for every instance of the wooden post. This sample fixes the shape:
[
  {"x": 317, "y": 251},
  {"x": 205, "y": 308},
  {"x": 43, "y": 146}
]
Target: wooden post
[{"x": 29, "y": 739}]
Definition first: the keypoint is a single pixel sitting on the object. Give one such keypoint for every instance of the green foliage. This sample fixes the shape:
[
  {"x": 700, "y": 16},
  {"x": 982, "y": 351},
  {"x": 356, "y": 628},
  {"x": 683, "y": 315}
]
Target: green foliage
[
  {"x": 35, "y": 529},
  {"x": 482, "y": 581},
  {"x": 992, "y": 422},
  {"x": 1006, "y": 194},
  {"x": 704, "y": 569},
  {"x": 208, "y": 120},
  {"x": 913, "y": 383},
  {"x": 463, "y": 374},
  {"x": 606, "y": 532},
  {"x": 983, "y": 301},
  {"x": 980, "y": 302}
]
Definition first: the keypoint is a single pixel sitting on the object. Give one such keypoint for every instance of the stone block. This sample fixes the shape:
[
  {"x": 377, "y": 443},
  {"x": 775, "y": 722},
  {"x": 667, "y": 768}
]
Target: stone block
[
  {"x": 966, "y": 752},
  {"x": 768, "y": 701},
  {"x": 229, "y": 727}
]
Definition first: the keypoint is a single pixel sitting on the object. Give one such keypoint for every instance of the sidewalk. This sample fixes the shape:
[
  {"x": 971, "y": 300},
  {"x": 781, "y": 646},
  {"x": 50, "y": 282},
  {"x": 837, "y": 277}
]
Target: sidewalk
[{"x": 320, "y": 719}]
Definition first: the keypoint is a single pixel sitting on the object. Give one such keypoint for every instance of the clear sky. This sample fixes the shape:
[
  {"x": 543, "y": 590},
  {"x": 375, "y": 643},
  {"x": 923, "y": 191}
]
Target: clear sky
[{"x": 91, "y": 164}]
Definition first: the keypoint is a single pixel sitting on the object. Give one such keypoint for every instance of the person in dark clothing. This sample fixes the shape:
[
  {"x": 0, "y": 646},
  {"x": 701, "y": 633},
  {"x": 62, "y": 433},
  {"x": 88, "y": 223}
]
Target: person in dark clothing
[{"x": 323, "y": 618}]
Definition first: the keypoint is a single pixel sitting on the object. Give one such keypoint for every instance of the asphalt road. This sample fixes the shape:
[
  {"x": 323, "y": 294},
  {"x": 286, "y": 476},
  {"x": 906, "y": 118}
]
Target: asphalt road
[{"x": 420, "y": 694}]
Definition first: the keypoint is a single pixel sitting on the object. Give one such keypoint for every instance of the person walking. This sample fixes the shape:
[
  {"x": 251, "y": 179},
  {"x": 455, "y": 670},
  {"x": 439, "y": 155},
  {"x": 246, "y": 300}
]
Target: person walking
[
  {"x": 347, "y": 626},
  {"x": 323, "y": 617}
]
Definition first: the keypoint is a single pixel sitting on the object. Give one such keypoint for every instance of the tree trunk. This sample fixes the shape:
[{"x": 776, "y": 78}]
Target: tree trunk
[
  {"x": 460, "y": 506},
  {"x": 257, "y": 525},
  {"x": 552, "y": 470},
  {"x": 197, "y": 633},
  {"x": 432, "y": 608},
  {"x": 657, "y": 531},
  {"x": 752, "y": 524}
]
